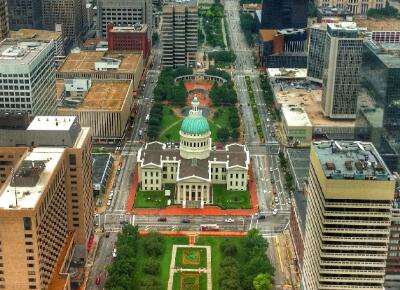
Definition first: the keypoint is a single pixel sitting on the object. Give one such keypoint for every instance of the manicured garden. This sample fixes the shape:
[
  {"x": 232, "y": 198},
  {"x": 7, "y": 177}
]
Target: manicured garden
[
  {"x": 237, "y": 263},
  {"x": 230, "y": 199},
  {"x": 191, "y": 258}
]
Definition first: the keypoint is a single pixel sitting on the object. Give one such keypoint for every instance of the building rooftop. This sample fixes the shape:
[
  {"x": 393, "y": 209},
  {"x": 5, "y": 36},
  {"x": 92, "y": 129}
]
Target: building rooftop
[
  {"x": 134, "y": 28},
  {"x": 267, "y": 34},
  {"x": 351, "y": 160},
  {"x": 52, "y": 123},
  {"x": 388, "y": 53},
  {"x": 35, "y": 34},
  {"x": 103, "y": 96},
  {"x": 295, "y": 116},
  {"x": 13, "y": 52},
  {"x": 287, "y": 73},
  {"x": 177, "y": 3},
  {"x": 31, "y": 178},
  {"x": 84, "y": 61},
  {"x": 310, "y": 99},
  {"x": 252, "y": 6},
  {"x": 343, "y": 25}
]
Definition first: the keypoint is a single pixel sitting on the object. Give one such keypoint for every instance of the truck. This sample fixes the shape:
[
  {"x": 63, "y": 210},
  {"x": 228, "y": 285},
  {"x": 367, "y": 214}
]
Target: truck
[{"x": 209, "y": 227}]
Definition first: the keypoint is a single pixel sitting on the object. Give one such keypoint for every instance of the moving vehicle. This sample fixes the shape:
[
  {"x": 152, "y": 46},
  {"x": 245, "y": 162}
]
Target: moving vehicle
[
  {"x": 229, "y": 220},
  {"x": 261, "y": 217},
  {"x": 107, "y": 234},
  {"x": 275, "y": 211},
  {"x": 108, "y": 202},
  {"x": 147, "y": 118},
  {"x": 185, "y": 221},
  {"x": 209, "y": 227},
  {"x": 98, "y": 280},
  {"x": 162, "y": 219}
]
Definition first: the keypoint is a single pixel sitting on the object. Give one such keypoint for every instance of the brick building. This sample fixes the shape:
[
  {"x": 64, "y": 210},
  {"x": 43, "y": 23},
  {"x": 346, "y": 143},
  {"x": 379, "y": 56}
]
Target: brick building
[{"x": 129, "y": 38}]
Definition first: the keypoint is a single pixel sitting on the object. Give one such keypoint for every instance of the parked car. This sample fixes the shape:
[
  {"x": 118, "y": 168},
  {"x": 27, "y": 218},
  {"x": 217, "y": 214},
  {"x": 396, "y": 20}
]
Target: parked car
[
  {"x": 107, "y": 234},
  {"x": 108, "y": 202},
  {"x": 98, "y": 280},
  {"x": 229, "y": 220},
  {"x": 114, "y": 253},
  {"x": 261, "y": 217},
  {"x": 275, "y": 211},
  {"x": 185, "y": 221}
]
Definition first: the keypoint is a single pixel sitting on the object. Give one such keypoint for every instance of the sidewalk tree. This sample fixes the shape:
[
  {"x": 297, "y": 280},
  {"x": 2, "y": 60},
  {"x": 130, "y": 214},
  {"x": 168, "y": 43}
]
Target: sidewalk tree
[{"x": 262, "y": 282}]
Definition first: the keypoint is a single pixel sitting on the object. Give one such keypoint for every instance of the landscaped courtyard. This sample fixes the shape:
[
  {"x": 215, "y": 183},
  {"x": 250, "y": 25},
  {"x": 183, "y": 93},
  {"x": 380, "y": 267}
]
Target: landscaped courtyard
[
  {"x": 154, "y": 262},
  {"x": 230, "y": 199}
]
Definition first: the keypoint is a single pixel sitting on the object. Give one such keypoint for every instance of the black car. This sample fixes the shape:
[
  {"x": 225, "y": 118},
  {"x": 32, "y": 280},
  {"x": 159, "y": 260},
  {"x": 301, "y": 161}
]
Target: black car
[
  {"x": 162, "y": 219},
  {"x": 261, "y": 217},
  {"x": 185, "y": 221}
]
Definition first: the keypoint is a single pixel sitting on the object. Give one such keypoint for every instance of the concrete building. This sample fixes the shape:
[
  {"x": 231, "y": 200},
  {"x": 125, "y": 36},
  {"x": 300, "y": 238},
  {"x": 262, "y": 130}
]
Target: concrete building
[
  {"x": 24, "y": 14},
  {"x": 104, "y": 106},
  {"x": 332, "y": 14},
  {"x": 282, "y": 14},
  {"x": 179, "y": 34},
  {"x": 4, "y": 26},
  {"x": 354, "y": 6},
  {"x": 68, "y": 13},
  {"x": 42, "y": 35},
  {"x": 27, "y": 74},
  {"x": 296, "y": 125},
  {"x": 46, "y": 203},
  {"x": 100, "y": 65},
  {"x": 193, "y": 168},
  {"x": 134, "y": 38},
  {"x": 316, "y": 53},
  {"x": 349, "y": 200},
  {"x": 381, "y": 70},
  {"x": 124, "y": 13},
  {"x": 341, "y": 75},
  {"x": 285, "y": 48}
]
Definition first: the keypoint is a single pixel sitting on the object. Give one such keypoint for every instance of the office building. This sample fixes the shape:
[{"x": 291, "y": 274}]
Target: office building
[
  {"x": 386, "y": 36},
  {"x": 46, "y": 203},
  {"x": 134, "y": 38},
  {"x": 100, "y": 65},
  {"x": 341, "y": 75},
  {"x": 381, "y": 69},
  {"x": 194, "y": 167},
  {"x": 27, "y": 74},
  {"x": 296, "y": 125},
  {"x": 103, "y": 106},
  {"x": 316, "y": 53},
  {"x": 392, "y": 278},
  {"x": 124, "y": 13},
  {"x": 285, "y": 48},
  {"x": 4, "y": 26},
  {"x": 281, "y": 14},
  {"x": 354, "y": 6},
  {"x": 179, "y": 34},
  {"x": 349, "y": 200},
  {"x": 42, "y": 35},
  {"x": 67, "y": 13},
  {"x": 24, "y": 14}
]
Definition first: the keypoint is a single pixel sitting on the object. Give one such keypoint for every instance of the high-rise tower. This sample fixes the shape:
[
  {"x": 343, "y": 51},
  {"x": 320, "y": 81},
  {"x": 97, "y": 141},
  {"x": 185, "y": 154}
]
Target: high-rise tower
[{"x": 281, "y": 14}]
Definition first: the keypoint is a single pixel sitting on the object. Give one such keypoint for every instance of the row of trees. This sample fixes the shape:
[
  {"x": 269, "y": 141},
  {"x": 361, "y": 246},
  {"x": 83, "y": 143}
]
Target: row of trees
[
  {"x": 156, "y": 115},
  {"x": 289, "y": 181},
  {"x": 387, "y": 12},
  {"x": 124, "y": 273},
  {"x": 249, "y": 27},
  {"x": 167, "y": 90},
  {"x": 212, "y": 24},
  {"x": 245, "y": 267},
  {"x": 225, "y": 57},
  {"x": 225, "y": 94},
  {"x": 249, "y": 1}
]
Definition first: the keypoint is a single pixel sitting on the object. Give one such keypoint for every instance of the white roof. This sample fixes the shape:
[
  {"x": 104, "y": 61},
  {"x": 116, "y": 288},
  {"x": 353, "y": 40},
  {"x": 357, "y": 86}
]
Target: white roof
[
  {"x": 52, "y": 123},
  {"x": 28, "y": 196},
  {"x": 295, "y": 116},
  {"x": 288, "y": 73}
]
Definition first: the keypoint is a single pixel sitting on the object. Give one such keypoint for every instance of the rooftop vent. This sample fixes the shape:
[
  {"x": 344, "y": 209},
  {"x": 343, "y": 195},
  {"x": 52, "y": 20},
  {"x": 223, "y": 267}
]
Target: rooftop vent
[
  {"x": 348, "y": 165},
  {"x": 330, "y": 165}
]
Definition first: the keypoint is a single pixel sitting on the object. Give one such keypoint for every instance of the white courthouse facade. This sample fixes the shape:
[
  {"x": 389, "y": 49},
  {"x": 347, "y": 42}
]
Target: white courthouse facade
[{"x": 193, "y": 167}]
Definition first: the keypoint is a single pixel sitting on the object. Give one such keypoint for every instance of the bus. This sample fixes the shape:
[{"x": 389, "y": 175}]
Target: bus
[{"x": 209, "y": 227}]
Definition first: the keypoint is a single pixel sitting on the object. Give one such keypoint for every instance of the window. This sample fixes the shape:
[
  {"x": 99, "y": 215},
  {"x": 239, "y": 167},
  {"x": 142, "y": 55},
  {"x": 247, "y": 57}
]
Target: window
[
  {"x": 27, "y": 224},
  {"x": 72, "y": 159}
]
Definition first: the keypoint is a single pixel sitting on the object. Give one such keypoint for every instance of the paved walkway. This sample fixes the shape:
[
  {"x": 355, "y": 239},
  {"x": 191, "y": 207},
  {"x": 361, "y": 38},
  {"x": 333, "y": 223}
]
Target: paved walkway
[
  {"x": 208, "y": 210},
  {"x": 173, "y": 270}
]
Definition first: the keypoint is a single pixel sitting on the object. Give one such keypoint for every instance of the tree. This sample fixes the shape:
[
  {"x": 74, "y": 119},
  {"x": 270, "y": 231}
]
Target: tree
[
  {"x": 151, "y": 267},
  {"x": 262, "y": 282},
  {"x": 149, "y": 282},
  {"x": 235, "y": 134},
  {"x": 222, "y": 135},
  {"x": 155, "y": 245},
  {"x": 228, "y": 248},
  {"x": 155, "y": 38}
]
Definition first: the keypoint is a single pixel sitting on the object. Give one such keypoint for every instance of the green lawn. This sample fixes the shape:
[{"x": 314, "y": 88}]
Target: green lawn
[
  {"x": 230, "y": 199},
  {"x": 150, "y": 199},
  {"x": 220, "y": 120},
  {"x": 215, "y": 243},
  {"x": 168, "y": 119},
  {"x": 192, "y": 281},
  {"x": 197, "y": 258},
  {"x": 173, "y": 133}
]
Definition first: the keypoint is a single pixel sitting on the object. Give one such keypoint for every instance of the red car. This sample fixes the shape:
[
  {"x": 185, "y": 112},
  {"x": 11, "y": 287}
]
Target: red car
[{"x": 98, "y": 280}]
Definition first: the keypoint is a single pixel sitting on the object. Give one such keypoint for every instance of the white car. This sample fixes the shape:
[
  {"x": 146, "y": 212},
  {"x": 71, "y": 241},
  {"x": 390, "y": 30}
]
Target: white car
[
  {"x": 229, "y": 220},
  {"x": 114, "y": 253},
  {"x": 275, "y": 211},
  {"x": 109, "y": 202}
]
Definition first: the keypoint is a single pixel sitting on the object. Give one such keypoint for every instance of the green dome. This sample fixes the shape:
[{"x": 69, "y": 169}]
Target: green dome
[{"x": 195, "y": 125}]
